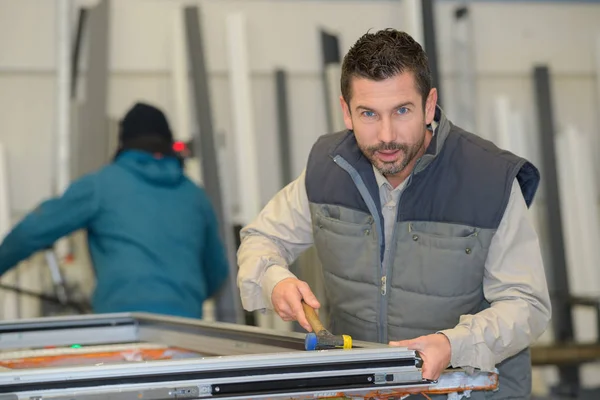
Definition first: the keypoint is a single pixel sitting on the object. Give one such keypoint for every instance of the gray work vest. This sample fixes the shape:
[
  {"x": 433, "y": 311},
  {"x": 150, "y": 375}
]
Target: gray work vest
[{"x": 447, "y": 215}]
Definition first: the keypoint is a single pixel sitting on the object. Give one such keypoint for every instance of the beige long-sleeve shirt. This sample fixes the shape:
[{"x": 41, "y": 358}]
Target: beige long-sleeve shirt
[{"x": 514, "y": 280}]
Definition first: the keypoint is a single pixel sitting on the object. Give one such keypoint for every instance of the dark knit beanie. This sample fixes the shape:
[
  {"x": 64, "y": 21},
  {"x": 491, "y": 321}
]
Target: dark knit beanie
[{"x": 146, "y": 128}]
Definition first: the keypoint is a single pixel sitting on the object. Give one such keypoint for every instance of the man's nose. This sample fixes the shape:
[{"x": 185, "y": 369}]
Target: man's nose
[{"x": 386, "y": 133}]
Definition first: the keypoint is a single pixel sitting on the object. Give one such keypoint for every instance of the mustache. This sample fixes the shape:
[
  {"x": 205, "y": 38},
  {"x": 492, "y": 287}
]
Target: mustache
[{"x": 387, "y": 147}]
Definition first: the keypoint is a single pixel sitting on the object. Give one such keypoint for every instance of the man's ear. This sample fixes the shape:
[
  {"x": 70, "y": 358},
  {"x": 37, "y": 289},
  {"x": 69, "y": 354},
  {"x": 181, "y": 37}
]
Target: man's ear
[
  {"x": 347, "y": 115},
  {"x": 430, "y": 106}
]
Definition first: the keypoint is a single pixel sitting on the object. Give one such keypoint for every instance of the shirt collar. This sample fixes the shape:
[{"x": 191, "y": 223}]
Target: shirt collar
[{"x": 381, "y": 180}]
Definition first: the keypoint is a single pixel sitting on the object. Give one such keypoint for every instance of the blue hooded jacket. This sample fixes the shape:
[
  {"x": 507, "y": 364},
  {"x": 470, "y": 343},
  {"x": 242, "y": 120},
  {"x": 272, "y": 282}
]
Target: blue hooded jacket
[{"x": 152, "y": 234}]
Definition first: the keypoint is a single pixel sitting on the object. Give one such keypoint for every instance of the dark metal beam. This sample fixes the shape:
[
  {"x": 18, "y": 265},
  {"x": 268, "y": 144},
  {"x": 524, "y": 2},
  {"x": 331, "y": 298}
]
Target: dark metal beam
[
  {"x": 90, "y": 140},
  {"x": 81, "y": 22},
  {"x": 227, "y": 303},
  {"x": 331, "y": 58},
  {"x": 283, "y": 125},
  {"x": 431, "y": 44},
  {"x": 562, "y": 316}
]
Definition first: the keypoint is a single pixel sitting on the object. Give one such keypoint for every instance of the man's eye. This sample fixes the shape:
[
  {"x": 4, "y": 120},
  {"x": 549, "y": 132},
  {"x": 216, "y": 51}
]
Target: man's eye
[
  {"x": 402, "y": 111},
  {"x": 368, "y": 114}
]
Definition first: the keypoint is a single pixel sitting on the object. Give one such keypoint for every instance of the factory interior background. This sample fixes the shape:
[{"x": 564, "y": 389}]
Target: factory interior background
[{"x": 524, "y": 74}]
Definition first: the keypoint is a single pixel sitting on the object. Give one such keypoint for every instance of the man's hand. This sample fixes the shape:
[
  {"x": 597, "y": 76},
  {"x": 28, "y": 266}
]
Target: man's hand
[
  {"x": 286, "y": 298},
  {"x": 434, "y": 349}
]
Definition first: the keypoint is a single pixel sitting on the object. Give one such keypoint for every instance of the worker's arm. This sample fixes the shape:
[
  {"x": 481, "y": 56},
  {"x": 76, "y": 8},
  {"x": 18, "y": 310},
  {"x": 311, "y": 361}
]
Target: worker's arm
[
  {"x": 50, "y": 221},
  {"x": 514, "y": 284},
  {"x": 214, "y": 257},
  {"x": 271, "y": 243}
]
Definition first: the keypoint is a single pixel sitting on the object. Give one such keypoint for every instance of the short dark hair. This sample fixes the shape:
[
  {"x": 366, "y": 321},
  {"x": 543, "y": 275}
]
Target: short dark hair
[{"x": 382, "y": 55}]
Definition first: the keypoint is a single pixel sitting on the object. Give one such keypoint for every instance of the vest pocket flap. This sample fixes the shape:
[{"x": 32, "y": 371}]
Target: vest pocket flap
[
  {"x": 342, "y": 221},
  {"x": 439, "y": 259},
  {"x": 444, "y": 234}
]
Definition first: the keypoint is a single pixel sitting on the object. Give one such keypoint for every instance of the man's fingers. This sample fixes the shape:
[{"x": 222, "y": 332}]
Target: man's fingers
[
  {"x": 427, "y": 373},
  {"x": 285, "y": 316},
  {"x": 287, "y": 301},
  {"x": 430, "y": 370},
  {"x": 284, "y": 310},
  {"x": 300, "y": 316},
  {"x": 433, "y": 355},
  {"x": 289, "y": 315},
  {"x": 308, "y": 295},
  {"x": 304, "y": 322},
  {"x": 427, "y": 370},
  {"x": 403, "y": 343}
]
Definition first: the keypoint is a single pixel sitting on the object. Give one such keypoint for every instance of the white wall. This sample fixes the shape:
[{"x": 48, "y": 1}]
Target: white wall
[{"x": 509, "y": 39}]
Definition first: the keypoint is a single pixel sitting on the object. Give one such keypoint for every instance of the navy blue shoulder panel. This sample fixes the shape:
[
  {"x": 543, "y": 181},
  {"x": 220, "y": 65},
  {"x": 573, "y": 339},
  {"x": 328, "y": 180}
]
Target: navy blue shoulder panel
[
  {"x": 328, "y": 183},
  {"x": 468, "y": 182},
  {"x": 529, "y": 180}
]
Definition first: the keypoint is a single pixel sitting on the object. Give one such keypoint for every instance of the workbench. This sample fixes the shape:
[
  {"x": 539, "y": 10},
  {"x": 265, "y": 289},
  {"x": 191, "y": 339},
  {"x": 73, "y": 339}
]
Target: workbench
[{"x": 146, "y": 356}]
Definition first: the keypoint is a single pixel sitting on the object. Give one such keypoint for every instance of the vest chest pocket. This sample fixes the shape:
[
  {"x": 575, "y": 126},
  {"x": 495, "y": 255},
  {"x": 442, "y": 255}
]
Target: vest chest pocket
[
  {"x": 440, "y": 259},
  {"x": 347, "y": 246}
]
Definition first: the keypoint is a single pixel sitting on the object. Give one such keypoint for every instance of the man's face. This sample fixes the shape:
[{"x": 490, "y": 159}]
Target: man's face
[{"x": 389, "y": 121}]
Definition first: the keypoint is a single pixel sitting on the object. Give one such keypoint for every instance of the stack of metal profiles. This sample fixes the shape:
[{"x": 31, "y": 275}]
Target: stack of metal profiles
[{"x": 143, "y": 356}]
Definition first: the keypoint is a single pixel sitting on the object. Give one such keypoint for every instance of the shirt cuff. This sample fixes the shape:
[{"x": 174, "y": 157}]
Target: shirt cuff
[
  {"x": 461, "y": 345},
  {"x": 273, "y": 275}
]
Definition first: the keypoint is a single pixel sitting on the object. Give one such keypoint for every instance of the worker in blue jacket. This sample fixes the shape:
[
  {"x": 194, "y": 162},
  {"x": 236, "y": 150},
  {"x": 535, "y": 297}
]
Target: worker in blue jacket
[{"x": 152, "y": 233}]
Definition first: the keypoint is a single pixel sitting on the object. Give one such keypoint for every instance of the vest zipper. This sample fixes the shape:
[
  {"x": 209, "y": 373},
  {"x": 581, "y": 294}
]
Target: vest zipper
[
  {"x": 382, "y": 320},
  {"x": 383, "y": 311}
]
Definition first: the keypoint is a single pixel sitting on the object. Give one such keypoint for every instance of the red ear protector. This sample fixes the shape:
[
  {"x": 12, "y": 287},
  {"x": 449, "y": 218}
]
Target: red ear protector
[{"x": 183, "y": 149}]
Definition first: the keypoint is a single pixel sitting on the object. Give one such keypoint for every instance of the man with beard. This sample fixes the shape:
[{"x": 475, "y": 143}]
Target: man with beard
[{"x": 422, "y": 228}]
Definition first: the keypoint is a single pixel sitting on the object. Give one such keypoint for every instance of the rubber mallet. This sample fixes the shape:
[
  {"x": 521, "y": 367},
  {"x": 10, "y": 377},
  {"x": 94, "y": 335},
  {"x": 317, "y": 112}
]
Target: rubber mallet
[{"x": 320, "y": 338}]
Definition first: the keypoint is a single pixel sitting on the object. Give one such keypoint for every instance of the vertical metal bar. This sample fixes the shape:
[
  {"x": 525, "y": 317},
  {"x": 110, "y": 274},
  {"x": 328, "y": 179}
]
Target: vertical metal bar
[
  {"x": 63, "y": 139},
  {"x": 204, "y": 147},
  {"x": 331, "y": 63},
  {"x": 431, "y": 44},
  {"x": 597, "y": 70},
  {"x": 562, "y": 316},
  {"x": 242, "y": 117},
  {"x": 413, "y": 14},
  {"x": 8, "y": 300},
  {"x": 308, "y": 266},
  {"x": 56, "y": 274},
  {"x": 63, "y": 101},
  {"x": 245, "y": 135},
  {"x": 92, "y": 140},
  {"x": 285, "y": 151},
  {"x": 227, "y": 301},
  {"x": 5, "y": 208},
  {"x": 180, "y": 76},
  {"x": 81, "y": 21},
  {"x": 597, "y": 136},
  {"x": 597, "y": 322},
  {"x": 466, "y": 98},
  {"x": 283, "y": 125}
]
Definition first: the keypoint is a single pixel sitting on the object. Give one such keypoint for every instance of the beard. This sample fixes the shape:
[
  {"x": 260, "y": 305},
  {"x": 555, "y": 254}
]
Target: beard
[{"x": 406, "y": 154}]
